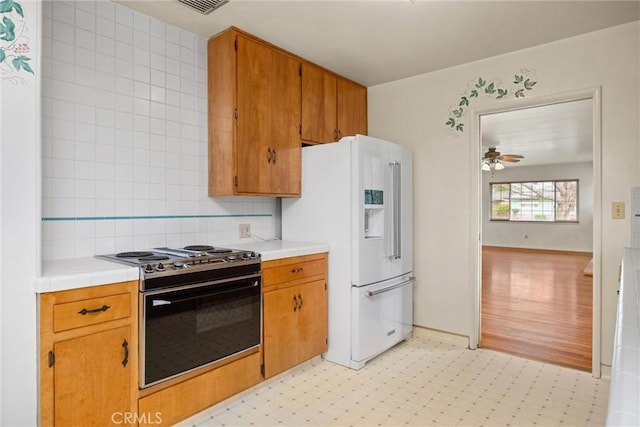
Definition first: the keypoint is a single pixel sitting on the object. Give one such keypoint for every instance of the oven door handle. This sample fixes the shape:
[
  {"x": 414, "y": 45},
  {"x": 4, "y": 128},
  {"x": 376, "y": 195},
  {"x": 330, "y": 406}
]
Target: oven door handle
[
  {"x": 167, "y": 300},
  {"x": 164, "y": 291}
]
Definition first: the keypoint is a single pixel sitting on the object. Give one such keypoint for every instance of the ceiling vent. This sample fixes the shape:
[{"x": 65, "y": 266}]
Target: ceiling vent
[{"x": 203, "y": 6}]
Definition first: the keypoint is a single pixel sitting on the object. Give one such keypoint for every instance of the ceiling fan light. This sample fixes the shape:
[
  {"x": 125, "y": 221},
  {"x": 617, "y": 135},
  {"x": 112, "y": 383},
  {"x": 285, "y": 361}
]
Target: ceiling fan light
[
  {"x": 486, "y": 167},
  {"x": 499, "y": 166}
]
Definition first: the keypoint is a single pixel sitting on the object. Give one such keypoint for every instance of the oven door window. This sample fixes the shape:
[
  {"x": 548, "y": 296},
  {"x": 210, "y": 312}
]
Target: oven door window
[{"x": 187, "y": 329}]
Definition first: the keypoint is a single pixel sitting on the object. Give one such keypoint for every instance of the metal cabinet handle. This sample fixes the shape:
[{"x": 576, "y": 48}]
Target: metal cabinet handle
[
  {"x": 301, "y": 302},
  {"x": 125, "y": 345},
  {"x": 275, "y": 155},
  {"x": 297, "y": 270},
  {"x": 86, "y": 311},
  {"x": 295, "y": 303},
  {"x": 269, "y": 155}
]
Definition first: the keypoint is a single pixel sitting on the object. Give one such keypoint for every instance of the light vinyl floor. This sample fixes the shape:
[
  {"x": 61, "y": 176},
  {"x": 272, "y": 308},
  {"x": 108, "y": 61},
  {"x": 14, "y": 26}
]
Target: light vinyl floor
[{"x": 430, "y": 380}]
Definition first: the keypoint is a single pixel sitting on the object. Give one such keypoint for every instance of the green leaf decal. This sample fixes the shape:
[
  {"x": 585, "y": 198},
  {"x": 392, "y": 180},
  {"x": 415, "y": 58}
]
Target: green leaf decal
[
  {"x": 492, "y": 89},
  {"x": 20, "y": 62},
  {"x": 2, "y": 56},
  {"x": 18, "y": 9},
  {"x": 7, "y": 30},
  {"x": 7, "y": 5}
]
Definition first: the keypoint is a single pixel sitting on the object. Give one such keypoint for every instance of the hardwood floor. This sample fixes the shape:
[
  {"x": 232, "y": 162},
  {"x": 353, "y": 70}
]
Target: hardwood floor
[{"x": 537, "y": 304}]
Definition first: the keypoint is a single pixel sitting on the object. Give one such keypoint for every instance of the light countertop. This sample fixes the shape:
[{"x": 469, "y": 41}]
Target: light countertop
[
  {"x": 276, "y": 249},
  {"x": 63, "y": 274}
]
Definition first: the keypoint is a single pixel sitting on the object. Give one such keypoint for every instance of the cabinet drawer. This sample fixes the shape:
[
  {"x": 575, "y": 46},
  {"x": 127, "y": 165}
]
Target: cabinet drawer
[
  {"x": 294, "y": 271},
  {"x": 87, "y": 312}
]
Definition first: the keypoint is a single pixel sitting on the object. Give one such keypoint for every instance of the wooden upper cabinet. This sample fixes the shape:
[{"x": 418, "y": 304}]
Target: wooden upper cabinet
[
  {"x": 262, "y": 103},
  {"x": 332, "y": 107},
  {"x": 254, "y": 118},
  {"x": 352, "y": 108},
  {"x": 319, "y": 105}
]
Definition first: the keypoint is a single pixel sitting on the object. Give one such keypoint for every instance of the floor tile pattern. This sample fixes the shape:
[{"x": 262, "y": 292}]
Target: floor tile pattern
[{"x": 430, "y": 380}]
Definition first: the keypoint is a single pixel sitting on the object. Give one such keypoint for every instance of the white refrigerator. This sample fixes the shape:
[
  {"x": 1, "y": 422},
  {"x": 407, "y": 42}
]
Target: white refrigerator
[{"x": 357, "y": 197}]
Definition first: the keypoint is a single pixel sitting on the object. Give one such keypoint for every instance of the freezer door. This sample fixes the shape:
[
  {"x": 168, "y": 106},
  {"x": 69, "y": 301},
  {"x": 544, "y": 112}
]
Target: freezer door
[
  {"x": 382, "y": 316},
  {"x": 382, "y": 210}
]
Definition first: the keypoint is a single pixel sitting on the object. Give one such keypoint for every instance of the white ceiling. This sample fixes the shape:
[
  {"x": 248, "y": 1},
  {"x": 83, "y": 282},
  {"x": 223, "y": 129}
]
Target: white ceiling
[
  {"x": 557, "y": 133},
  {"x": 378, "y": 41}
]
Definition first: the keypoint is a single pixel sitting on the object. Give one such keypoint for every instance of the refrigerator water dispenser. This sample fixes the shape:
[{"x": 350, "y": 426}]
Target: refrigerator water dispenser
[{"x": 373, "y": 214}]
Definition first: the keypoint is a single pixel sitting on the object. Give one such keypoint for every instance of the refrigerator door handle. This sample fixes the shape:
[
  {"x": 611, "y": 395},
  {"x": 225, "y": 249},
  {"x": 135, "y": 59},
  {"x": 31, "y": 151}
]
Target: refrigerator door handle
[
  {"x": 390, "y": 288},
  {"x": 396, "y": 185}
]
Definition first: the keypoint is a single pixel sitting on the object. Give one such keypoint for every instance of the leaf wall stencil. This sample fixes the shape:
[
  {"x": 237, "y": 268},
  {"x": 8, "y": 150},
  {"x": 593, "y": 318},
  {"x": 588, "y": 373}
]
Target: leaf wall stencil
[
  {"x": 14, "y": 43},
  {"x": 493, "y": 89}
]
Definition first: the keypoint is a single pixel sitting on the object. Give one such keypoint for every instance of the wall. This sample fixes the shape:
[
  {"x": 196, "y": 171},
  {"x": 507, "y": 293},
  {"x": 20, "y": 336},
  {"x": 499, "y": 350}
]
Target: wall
[
  {"x": 555, "y": 236},
  {"x": 19, "y": 153},
  {"x": 124, "y": 137},
  {"x": 414, "y": 111}
]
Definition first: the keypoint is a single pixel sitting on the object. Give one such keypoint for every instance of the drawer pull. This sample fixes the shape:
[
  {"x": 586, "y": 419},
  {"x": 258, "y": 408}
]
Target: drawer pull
[
  {"x": 125, "y": 345},
  {"x": 85, "y": 311},
  {"x": 297, "y": 270}
]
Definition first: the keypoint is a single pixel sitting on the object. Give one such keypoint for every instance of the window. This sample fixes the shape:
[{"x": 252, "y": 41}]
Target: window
[{"x": 540, "y": 201}]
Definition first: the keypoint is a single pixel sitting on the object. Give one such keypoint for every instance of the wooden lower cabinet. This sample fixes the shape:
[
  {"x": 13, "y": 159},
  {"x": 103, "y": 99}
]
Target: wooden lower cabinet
[
  {"x": 88, "y": 356},
  {"x": 295, "y": 311}
]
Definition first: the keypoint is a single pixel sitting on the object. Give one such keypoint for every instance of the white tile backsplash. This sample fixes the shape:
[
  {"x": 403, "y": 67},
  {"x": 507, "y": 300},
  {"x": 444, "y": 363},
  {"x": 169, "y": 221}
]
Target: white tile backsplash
[{"x": 124, "y": 137}]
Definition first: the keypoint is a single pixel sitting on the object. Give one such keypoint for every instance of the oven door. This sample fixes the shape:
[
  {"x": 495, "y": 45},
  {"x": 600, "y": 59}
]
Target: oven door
[{"x": 184, "y": 328}]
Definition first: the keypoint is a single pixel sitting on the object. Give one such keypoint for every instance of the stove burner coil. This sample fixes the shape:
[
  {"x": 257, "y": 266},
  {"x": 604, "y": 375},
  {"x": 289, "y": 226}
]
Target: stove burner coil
[
  {"x": 208, "y": 249},
  {"x": 153, "y": 257},
  {"x": 138, "y": 254},
  {"x": 199, "y": 248}
]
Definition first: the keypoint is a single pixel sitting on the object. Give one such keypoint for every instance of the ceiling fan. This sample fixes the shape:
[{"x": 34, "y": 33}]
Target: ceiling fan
[{"x": 492, "y": 159}]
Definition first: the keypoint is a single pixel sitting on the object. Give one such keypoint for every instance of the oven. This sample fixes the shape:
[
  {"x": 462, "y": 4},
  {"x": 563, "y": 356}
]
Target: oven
[
  {"x": 196, "y": 308},
  {"x": 194, "y": 319}
]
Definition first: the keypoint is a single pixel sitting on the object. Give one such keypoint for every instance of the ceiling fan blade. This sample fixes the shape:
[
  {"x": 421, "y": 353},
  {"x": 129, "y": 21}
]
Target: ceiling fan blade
[
  {"x": 509, "y": 159},
  {"x": 513, "y": 156}
]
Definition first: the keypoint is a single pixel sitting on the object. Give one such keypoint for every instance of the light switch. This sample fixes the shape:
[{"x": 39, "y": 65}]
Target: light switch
[{"x": 617, "y": 210}]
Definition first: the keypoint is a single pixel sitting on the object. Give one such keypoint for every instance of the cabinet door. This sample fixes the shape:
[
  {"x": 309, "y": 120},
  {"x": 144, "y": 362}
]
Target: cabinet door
[
  {"x": 352, "y": 108},
  {"x": 268, "y": 105},
  {"x": 92, "y": 378},
  {"x": 319, "y": 90},
  {"x": 280, "y": 330},
  {"x": 312, "y": 319},
  {"x": 285, "y": 130}
]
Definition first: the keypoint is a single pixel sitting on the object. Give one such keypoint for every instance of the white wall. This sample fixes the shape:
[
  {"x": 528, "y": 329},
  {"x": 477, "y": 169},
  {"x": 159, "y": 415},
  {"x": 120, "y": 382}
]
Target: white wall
[
  {"x": 124, "y": 137},
  {"x": 537, "y": 235},
  {"x": 413, "y": 112},
  {"x": 19, "y": 152}
]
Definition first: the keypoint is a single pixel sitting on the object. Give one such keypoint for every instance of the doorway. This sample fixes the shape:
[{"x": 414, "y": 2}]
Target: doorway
[{"x": 592, "y": 98}]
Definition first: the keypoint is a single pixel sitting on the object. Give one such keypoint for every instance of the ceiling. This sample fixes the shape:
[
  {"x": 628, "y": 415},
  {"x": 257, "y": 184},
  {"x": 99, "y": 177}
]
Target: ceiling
[
  {"x": 378, "y": 41},
  {"x": 557, "y": 133}
]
